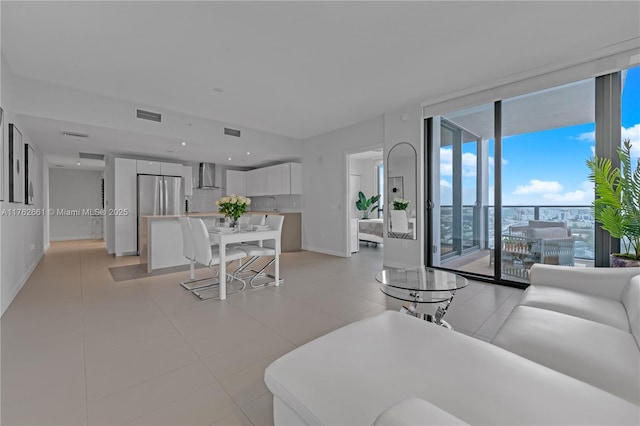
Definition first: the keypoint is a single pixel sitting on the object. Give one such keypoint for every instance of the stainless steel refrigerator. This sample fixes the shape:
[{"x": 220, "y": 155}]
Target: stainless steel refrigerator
[{"x": 159, "y": 196}]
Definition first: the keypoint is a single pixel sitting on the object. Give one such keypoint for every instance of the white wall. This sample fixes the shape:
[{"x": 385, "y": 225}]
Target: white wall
[
  {"x": 74, "y": 190},
  {"x": 406, "y": 125},
  {"x": 22, "y": 242},
  {"x": 325, "y": 183}
]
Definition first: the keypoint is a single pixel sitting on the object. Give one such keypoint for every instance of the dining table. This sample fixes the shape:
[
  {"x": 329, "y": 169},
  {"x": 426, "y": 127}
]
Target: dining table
[{"x": 236, "y": 235}]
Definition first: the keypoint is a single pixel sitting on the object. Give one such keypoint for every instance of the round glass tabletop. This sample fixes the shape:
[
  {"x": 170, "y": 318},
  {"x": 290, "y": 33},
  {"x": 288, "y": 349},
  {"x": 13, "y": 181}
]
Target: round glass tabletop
[{"x": 421, "y": 279}]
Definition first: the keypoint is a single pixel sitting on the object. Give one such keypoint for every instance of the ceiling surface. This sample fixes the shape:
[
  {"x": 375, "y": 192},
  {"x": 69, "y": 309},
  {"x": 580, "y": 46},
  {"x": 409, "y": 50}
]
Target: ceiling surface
[{"x": 295, "y": 69}]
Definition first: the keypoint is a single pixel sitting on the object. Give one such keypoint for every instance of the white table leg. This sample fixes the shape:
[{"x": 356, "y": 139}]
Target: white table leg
[{"x": 222, "y": 276}]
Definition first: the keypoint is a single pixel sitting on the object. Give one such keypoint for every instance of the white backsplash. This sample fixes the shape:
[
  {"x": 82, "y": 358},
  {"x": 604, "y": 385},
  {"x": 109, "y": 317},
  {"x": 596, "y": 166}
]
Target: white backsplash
[
  {"x": 283, "y": 203},
  {"x": 204, "y": 200}
]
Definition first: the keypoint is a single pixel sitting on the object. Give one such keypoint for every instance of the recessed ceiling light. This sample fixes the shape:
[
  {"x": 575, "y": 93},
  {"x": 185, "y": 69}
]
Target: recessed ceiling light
[
  {"x": 183, "y": 143},
  {"x": 218, "y": 90},
  {"x": 248, "y": 153},
  {"x": 78, "y": 163},
  {"x": 229, "y": 158}
]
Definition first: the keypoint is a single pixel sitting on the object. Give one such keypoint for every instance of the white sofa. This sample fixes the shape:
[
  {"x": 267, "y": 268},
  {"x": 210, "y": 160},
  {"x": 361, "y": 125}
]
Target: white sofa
[{"x": 567, "y": 354}]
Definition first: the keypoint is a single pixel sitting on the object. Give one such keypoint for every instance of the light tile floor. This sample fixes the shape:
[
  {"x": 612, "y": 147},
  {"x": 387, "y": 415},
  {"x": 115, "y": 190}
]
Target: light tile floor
[{"x": 79, "y": 348}]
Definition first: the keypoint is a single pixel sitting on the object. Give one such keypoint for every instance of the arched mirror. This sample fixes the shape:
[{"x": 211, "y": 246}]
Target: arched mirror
[{"x": 401, "y": 191}]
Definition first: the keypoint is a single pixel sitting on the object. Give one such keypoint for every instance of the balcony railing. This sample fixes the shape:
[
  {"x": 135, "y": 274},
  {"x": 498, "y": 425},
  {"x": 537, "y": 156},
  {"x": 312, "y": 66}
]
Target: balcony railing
[{"x": 578, "y": 218}]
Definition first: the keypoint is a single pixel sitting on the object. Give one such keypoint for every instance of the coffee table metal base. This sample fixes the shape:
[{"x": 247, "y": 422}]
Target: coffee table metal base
[{"x": 436, "y": 319}]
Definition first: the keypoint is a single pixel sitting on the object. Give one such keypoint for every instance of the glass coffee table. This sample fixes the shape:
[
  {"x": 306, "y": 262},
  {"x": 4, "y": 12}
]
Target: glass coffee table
[{"x": 422, "y": 285}]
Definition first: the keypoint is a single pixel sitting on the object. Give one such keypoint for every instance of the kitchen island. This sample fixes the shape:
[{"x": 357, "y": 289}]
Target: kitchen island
[{"x": 161, "y": 238}]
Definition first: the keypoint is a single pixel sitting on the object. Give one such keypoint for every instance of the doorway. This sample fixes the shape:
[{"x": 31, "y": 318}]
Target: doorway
[{"x": 364, "y": 219}]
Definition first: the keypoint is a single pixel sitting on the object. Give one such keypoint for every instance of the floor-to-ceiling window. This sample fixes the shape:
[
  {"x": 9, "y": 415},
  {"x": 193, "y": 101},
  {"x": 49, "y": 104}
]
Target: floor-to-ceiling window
[
  {"x": 630, "y": 119},
  {"x": 546, "y": 194},
  {"x": 496, "y": 218}
]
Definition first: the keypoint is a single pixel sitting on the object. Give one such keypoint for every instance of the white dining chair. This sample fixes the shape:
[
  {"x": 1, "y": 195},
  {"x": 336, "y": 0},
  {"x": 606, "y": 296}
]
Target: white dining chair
[
  {"x": 209, "y": 256},
  {"x": 256, "y": 251},
  {"x": 188, "y": 251}
]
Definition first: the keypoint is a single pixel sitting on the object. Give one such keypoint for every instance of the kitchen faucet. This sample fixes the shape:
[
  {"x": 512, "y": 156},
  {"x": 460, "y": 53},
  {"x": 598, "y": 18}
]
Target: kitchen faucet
[{"x": 275, "y": 203}]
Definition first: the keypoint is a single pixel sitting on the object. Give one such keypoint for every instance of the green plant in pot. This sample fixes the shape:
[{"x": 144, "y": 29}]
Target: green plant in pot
[
  {"x": 617, "y": 203},
  {"x": 367, "y": 205}
]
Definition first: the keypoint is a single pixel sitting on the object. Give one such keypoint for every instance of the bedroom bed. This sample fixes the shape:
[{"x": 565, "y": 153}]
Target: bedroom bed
[{"x": 370, "y": 231}]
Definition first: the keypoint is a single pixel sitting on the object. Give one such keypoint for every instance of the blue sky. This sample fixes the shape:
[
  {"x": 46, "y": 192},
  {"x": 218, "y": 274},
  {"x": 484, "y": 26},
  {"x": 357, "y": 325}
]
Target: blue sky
[{"x": 548, "y": 167}]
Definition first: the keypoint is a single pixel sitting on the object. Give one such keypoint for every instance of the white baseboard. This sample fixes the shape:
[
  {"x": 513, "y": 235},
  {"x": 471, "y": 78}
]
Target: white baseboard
[
  {"x": 6, "y": 301},
  {"x": 325, "y": 251}
]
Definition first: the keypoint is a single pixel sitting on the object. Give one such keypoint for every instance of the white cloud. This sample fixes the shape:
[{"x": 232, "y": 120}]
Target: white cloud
[
  {"x": 538, "y": 187},
  {"x": 633, "y": 133},
  {"x": 469, "y": 163},
  {"x": 568, "y": 197},
  {"x": 587, "y": 136},
  {"x": 444, "y": 183}
]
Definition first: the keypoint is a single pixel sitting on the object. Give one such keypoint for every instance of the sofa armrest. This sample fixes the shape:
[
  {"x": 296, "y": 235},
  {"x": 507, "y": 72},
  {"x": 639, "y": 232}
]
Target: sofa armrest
[
  {"x": 416, "y": 411},
  {"x": 603, "y": 282}
]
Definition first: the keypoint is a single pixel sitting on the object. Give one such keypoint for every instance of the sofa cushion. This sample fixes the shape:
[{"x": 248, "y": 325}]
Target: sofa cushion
[
  {"x": 595, "y": 308},
  {"x": 416, "y": 411},
  {"x": 352, "y": 374},
  {"x": 631, "y": 302},
  {"x": 599, "y": 354}
]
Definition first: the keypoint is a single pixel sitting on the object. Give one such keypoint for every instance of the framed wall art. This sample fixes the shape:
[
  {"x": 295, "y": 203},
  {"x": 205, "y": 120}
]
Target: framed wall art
[
  {"x": 16, "y": 166},
  {"x": 29, "y": 174},
  {"x": 396, "y": 188}
]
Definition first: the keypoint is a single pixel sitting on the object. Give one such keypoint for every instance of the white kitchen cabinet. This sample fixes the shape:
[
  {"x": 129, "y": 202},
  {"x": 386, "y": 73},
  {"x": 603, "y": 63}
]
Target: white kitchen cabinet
[
  {"x": 145, "y": 167},
  {"x": 295, "y": 178},
  {"x": 187, "y": 179},
  {"x": 236, "y": 182},
  {"x": 280, "y": 179},
  {"x": 285, "y": 172},
  {"x": 125, "y": 209},
  {"x": 158, "y": 168},
  {"x": 273, "y": 180},
  {"x": 252, "y": 184},
  {"x": 171, "y": 169}
]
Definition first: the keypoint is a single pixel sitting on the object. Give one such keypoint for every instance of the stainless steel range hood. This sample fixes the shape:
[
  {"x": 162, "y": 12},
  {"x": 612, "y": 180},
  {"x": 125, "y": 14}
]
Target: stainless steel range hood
[{"x": 207, "y": 176}]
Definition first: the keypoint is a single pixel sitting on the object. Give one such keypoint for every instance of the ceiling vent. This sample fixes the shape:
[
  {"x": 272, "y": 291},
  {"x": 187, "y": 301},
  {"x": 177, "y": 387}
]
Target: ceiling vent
[
  {"x": 90, "y": 156},
  {"x": 148, "y": 115},
  {"x": 74, "y": 134},
  {"x": 232, "y": 132}
]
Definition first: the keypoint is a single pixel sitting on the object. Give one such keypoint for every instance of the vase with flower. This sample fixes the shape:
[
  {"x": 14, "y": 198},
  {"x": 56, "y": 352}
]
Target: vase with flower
[{"x": 233, "y": 206}]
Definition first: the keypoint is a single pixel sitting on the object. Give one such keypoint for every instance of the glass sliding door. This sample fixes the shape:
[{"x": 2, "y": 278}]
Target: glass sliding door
[{"x": 461, "y": 162}]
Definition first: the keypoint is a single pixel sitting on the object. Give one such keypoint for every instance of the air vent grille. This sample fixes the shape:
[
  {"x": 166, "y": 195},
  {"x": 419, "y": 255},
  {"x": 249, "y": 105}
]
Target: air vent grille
[
  {"x": 74, "y": 134},
  {"x": 148, "y": 115},
  {"x": 90, "y": 156},
  {"x": 232, "y": 132}
]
